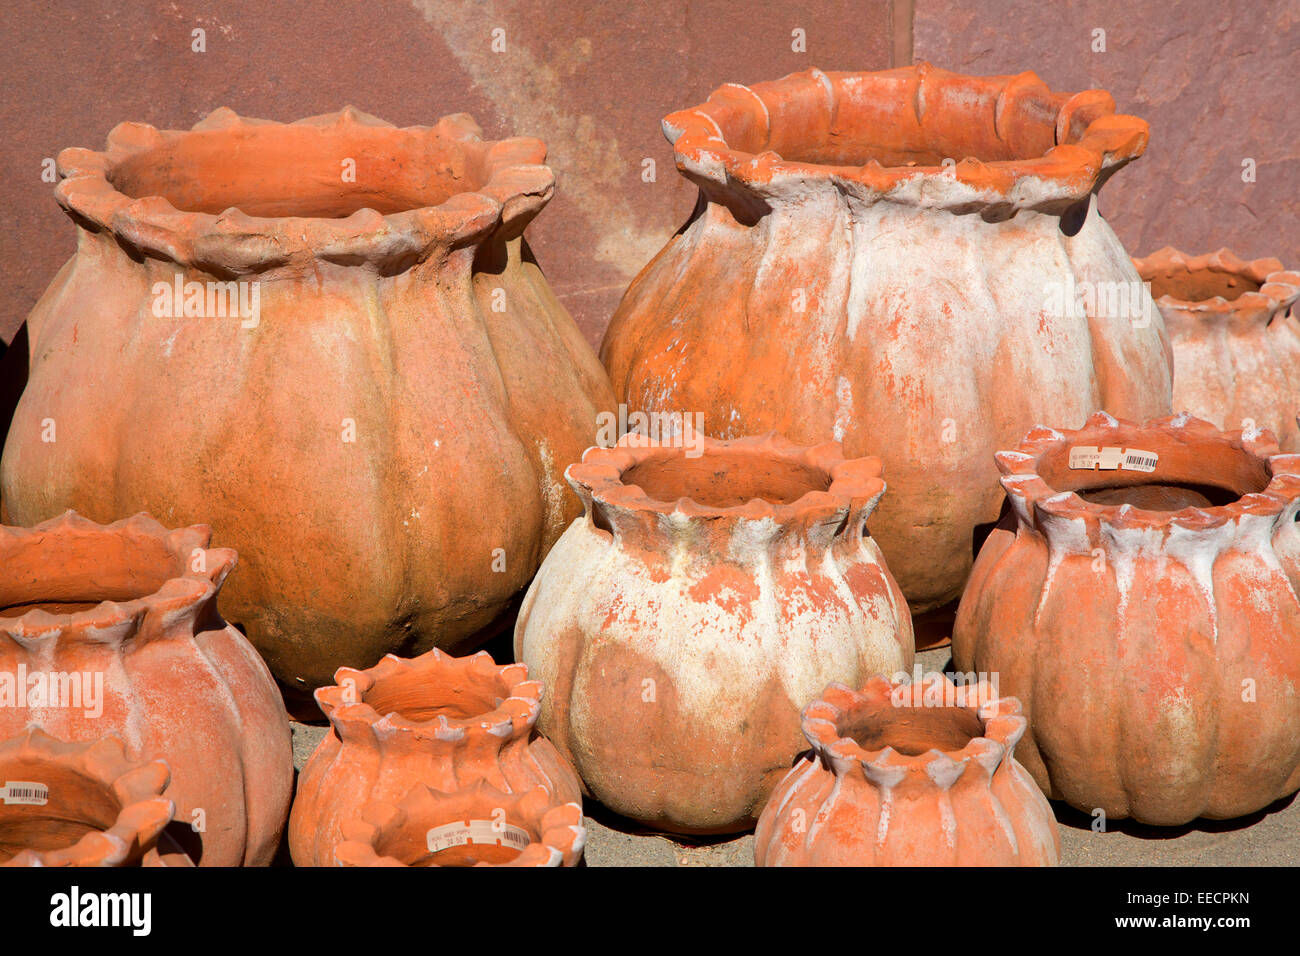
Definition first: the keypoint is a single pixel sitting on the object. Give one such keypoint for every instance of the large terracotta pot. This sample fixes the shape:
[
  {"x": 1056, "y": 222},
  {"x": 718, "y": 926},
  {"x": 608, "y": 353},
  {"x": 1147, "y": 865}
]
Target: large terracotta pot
[
  {"x": 681, "y": 623},
  {"x": 83, "y": 804},
  {"x": 1235, "y": 336},
  {"x": 477, "y": 826},
  {"x": 1147, "y": 616},
  {"x": 384, "y": 442},
  {"x": 440, "y": 721},
  {"x": 115, "y": 630},
  {"x": 909, "y": 775},
  {"x": 910, "y": 262}
]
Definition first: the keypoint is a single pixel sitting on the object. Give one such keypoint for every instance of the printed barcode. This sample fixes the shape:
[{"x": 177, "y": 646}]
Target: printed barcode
[
  {"x": 25, "y": 791},
  {"x": 1141, "y": 461}
]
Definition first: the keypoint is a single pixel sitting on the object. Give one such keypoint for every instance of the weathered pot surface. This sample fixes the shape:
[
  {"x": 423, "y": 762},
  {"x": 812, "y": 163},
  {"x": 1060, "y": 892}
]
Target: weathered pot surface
[
  {"x": 115, "y": 630},
  {"x": 909, "y": 774},
  {"x": 1140, "y": 598},
  {"x": 910, "y": 262},
  {"x": 476, "y": 826},
  {"x": 1235, "y": 336},
  {"x": 83, "y": 804},
  {"x": 329, "y": 340},
  {"x": 434, "y": 720},
  {"x": 681, "y": 621}
]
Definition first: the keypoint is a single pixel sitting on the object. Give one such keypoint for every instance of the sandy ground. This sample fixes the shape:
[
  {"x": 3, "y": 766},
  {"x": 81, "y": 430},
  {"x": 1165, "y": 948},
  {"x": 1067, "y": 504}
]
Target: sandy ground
[{"x": 1269, "y": 838}]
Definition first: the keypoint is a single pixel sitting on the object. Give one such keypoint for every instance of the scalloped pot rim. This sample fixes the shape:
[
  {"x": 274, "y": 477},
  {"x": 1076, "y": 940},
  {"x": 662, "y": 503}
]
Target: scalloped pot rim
[
  {"x": 1001, "y": 720},
  {"x": 1279, "y": 287},
  {"x": 514, "y": 184},
  {"x": 1030, "y": 494},
  {"x": 181, "y": 592},
  {"x": 1060, "y": 146},
  {"x": 852, "y": 482}
]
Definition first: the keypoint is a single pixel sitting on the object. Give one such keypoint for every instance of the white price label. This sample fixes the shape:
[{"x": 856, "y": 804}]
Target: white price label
[
  {"x": 476, "y": 831},
  {"x": 1109, "y": 458},
  {"x": 26, "y": 793}
]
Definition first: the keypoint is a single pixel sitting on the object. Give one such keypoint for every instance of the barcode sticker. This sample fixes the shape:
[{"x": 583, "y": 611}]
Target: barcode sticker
[
  {"x": 476, "y": 831},
  {"x": 1092, "y": 458},
  {"x": 25, "y": 792}
]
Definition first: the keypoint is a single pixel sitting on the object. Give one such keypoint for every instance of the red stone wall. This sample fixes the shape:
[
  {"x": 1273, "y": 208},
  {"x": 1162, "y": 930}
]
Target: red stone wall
[{"x": 593, "y": 78}]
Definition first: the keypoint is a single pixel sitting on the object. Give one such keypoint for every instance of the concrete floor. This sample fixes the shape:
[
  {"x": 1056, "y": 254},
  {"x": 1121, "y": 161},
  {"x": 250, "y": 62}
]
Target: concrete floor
[{"x": 1269, "y": 838}]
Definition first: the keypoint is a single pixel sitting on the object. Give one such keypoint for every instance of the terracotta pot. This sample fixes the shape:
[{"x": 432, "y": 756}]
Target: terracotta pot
[
  {"x": 115, "y": 630},
  {"x": 445, "y": 722},
  {"x": 1147, "y": 617},
  {"x": 682, "y": 622},
  {"x": 477, "y": 826},
  {"x": 83, "y": 804},
  {"x": 406, "y": 364},
  {"x": 841, "y": 278},
  {"x": 909, "y": 775},
  {"x": 1235, "y": 337}
]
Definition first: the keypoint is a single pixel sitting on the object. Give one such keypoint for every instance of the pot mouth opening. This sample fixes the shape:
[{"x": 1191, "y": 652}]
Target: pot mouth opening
[
  {"x": 913, "y": 731},
  {"x": 300, "y": 171},
  {"x": 453, "y": 839},
  {"x": 916, "y": 135},
  {"x": 64, "y": 575},
  {"x": 412, "y": 696},
  {"x": 1168, "y": 475},
  {"x": 719, "y": 479},
  {"x": 1199, "y": 285},
  {"x": 74, "y": 806}
]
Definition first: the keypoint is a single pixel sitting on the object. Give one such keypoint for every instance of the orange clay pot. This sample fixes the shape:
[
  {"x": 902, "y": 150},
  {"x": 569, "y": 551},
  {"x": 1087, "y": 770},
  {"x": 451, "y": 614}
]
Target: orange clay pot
[
  {"x": 477, "y": 826},
  {"x": 897, "y": 777},
  {"x": 408, "y": 363},
  {"x": 115, "y": 630},
  {"x": 1147, "y": 616},
  {"x": 1235, "y": 337},
  {"x": 682, "y": 621},
  {"x": 445, "y": 722},
  {"x": 841, "y": 279},
  {"x": 82, "y": 804}
]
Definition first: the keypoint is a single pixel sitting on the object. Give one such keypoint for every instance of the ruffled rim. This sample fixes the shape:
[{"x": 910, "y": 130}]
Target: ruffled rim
[
  {"x": 513, "y": 716},
  {"x": 517, "y": 185},
  {"x": 181, "y": 598},
  {"x": 561, "y": 833},
  {"x": 136, "y": 786},
  {"x": 1278, "y": 287},
  {"x": 854, "y": 483},
  {"x": 1001, "y": 719},
  {"x": 737, "y": 135},
  {"x": 1033, "y": 499}
]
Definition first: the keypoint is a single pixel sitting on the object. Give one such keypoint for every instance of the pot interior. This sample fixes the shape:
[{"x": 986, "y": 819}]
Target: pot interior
[
  {"x": 306, "y": 171},
  {"x": 414, "y": 696},
  {"x": 76, "y": 805},
  {"x": 1201, "y": 285},
  {"x": 66, "y": 572},
  {"x": 852, "y": 119},
  {"x": 1203, "y": 473},
  {"x": 724, "y": 480},
  {"x": 422, "y": 841},
  {"x": 913, "y": 731}
]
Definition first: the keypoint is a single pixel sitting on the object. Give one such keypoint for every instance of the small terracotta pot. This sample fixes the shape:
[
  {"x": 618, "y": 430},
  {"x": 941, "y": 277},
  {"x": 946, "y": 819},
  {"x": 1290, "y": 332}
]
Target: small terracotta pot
[
  {"x": 83, "y": 804},
  {"x": 477, "y": 826},
  {"x": 1235, "y": 337},
  {"x": 301, "y": 314},
  {"x": 127, "y": 614},
  {"x": 682, "y": 621},
  {"x": 1147, "y": 616},
  {"x": 445, "y": 722},
  {"x": 909, "y": 775},
  {"x": 891, "y": 259}
]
